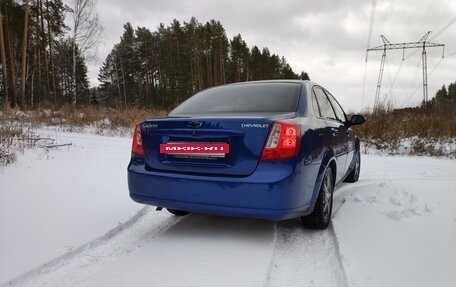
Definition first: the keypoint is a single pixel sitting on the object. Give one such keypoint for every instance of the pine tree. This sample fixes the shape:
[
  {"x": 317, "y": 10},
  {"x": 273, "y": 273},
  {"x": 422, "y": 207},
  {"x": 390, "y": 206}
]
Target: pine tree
[
  {"x": 64, "y": 73},
  {"x": 239, "y": 57},
  {"x": 30, "y": 31},
  {"x": 165, "y": 67}
]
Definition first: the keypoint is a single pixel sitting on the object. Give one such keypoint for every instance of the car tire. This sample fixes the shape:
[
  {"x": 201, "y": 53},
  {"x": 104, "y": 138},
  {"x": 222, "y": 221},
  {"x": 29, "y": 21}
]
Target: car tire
[
  {"x": 353, "y": 176},
  {"x": 321, "y": 215},
  {"x": 178, "y": 212}
]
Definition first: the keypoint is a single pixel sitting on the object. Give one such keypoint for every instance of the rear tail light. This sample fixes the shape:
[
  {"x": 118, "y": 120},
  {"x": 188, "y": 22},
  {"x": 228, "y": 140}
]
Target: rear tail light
[
  {"x": 282, "y": 142},
  {"x": 137, "y": 146}
]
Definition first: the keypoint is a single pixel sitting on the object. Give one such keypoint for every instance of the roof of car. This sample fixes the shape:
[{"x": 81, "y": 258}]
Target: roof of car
[{"x": 272, "y": 81}]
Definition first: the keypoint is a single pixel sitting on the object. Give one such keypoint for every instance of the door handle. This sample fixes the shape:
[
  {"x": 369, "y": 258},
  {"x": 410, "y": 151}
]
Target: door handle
[{"x": 334, "y": 131}]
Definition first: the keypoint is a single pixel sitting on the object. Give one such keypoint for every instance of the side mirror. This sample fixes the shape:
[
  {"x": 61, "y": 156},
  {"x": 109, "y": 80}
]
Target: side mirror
[{"x": 357, "y": 120}]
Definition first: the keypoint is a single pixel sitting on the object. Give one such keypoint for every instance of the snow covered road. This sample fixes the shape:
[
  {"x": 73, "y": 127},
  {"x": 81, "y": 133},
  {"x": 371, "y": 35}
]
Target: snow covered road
[
  {"x": 199, "y": 250},
  {"x": 395, "y": 227},
  {"x": 53, "y": 201}
]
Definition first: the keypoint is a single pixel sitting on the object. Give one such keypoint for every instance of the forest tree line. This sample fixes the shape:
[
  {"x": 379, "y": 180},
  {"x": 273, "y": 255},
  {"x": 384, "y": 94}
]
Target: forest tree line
[
  {"x": 45, "y": 46},
  {"x": 43, "y": 61},
  {"x": 44, "y": 58},
  {"x": 164, "y": 67},
  {"x": 445, "y": 98}
]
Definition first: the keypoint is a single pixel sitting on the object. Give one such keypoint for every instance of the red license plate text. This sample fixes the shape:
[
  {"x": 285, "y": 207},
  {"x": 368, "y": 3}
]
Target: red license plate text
[{"x": 195, "y": 148}]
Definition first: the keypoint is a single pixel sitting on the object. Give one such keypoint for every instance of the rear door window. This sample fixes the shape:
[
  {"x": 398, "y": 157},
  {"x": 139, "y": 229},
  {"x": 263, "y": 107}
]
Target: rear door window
[
  {"x": 340, "y": 114},
  {"x": 315, "y": 107},
  {"x": 326, "y": 109}
]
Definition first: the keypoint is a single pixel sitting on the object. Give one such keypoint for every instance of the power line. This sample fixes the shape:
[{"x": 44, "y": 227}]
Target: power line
[
  {"x": 414, "y": 89},
  {"x": 451, "y": 22},
  {"x": 412, "y": 83},
  {"x": 435, "y": 67},
  {"x": 395, "y": 78},
  {"x": 432, "y": 71},
  {"x": 440, "y": 31},
  {"x": 371, "y": 22},
  {"x": 364, "y": 83},
  {"x": 369, "y": 39},
  {"x": 388, "y": 74},
  {"x": 390, "y": 6},
  {"x": 387, "y": 45}
]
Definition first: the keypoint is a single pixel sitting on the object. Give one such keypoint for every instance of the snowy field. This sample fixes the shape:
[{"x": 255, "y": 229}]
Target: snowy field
[{"x": 66, "y": 220}]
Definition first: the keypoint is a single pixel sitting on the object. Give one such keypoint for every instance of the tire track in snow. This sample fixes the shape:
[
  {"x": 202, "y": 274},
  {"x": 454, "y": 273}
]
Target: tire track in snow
[
  {"x": 199, "y": 250},
  {"x": 82, "y": 262},
  {"x": 305, "y": 257},
  {"x": 271, "y": 260},
  {"x": 343, "y": 274},
  {"x": 152, "y": 246},
  {"x": 160, "y": 249}
]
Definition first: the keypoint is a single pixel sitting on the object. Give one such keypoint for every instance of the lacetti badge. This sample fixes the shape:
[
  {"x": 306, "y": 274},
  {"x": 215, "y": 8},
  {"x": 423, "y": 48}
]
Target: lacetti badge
[{"x": 195, "y": 148}]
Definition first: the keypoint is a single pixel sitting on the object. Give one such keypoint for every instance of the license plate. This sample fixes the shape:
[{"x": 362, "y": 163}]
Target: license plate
[{"x": 211, "y": 149}]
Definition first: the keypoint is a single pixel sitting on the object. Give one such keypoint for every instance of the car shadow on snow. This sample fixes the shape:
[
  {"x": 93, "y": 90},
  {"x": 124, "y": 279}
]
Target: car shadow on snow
[{"x": 198, "y": 226}]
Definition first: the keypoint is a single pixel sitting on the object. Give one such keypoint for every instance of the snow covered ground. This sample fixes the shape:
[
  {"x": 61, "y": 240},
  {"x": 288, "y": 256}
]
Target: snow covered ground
[
  {"x": 69, "y": 208},
  {"x": 52, "y": 202},
  {"x": 397, "y": 225}
]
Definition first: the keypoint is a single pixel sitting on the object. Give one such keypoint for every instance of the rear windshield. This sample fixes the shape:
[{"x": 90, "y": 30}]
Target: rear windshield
[{"x": 243, "y": 98}]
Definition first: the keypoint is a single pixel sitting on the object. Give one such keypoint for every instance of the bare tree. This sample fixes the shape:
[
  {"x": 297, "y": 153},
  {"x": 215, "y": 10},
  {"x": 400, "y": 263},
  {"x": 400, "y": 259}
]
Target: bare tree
[
  {"x": 51, "y": 56},
  {"x": 87, "y": 30},
  {"x": 24, "y": 52},
  {"x": 2, "y": 52},
  {"x": 10, "y": 51}
]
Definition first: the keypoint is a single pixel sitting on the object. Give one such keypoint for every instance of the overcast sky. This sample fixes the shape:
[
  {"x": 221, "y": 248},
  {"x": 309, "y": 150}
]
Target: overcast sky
[{"x": 326, "y": 38}]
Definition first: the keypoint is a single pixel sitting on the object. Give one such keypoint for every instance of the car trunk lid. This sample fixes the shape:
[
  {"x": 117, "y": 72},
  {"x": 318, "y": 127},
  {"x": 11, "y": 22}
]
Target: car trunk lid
[{"x": 244, "y": 135}]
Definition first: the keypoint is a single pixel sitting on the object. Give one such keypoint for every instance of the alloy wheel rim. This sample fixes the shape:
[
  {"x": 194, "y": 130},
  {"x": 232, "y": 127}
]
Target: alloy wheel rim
[
  {"x": 327, "y": 193},
  {"x": 357, "y": 166}
]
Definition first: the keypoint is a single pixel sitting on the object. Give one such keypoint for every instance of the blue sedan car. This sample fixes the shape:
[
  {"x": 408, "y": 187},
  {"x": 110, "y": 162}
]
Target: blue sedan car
[{"x": 267, "y": 149}]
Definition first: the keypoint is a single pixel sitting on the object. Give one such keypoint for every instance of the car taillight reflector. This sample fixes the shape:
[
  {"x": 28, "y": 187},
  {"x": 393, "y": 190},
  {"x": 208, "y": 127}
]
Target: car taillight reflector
[
  {"x": 282, "y": 142},
  {"x": 137, "y": 146}
]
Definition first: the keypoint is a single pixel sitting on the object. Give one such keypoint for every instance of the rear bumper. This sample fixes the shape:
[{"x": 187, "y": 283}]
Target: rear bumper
[{"x": 274, "y": 191}]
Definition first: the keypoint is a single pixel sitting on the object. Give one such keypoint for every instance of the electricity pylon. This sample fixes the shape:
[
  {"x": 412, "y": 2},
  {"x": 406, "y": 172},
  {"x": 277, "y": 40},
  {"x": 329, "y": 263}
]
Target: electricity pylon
[{"x": 387, "y": 45}]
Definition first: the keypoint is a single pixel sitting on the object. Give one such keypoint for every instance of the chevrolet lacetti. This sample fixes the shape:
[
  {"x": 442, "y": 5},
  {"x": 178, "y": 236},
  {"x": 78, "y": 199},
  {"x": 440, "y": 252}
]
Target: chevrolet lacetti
[{"x": 268, "y": 149}]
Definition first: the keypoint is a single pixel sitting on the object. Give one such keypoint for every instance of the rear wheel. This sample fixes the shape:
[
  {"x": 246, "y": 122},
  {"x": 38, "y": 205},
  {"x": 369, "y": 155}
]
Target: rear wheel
[
  {"x": 321, "y": 215},
  {"x": 354, "y": 174},
  {"x": 178, "y": 212}
]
